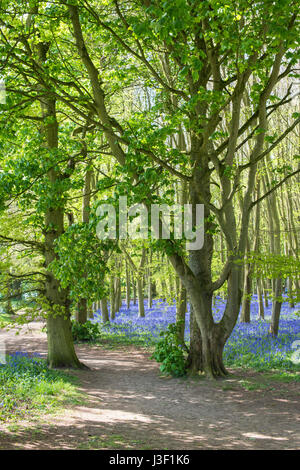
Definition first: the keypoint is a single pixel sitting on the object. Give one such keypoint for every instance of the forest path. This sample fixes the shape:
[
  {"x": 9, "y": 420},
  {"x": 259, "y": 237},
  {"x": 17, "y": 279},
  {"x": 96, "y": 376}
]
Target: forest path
[{"x": 130, "y": 406}]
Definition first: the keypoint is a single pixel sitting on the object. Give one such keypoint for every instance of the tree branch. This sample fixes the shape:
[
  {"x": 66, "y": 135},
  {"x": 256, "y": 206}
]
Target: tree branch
[{"x": 274, "y": 188}]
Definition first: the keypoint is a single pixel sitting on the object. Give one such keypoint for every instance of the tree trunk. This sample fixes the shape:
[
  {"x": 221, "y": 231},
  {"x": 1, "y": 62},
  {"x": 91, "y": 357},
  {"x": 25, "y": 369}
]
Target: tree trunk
[
  {"x": 140, "y": 291},
  {"x": 266, "y": 298},
  {"x": 276, "y": 309},
  {"x": 275, "y": 236},
  {"x": 112, "y": 299},
  {"x": 246, "y": 304},
  {"x": 194, "y": 360},
  {"x": 198, "y": 282},
  {"x": 127, "y": 287},
  {"x": 163, "y": 288},
  {"x": 81, "y": 314},
  {"x": 261, "y": 310},
  {"x": 290, "y": 293},
  {"x": 104, "y": 310},
  {"x": 181, "y": 310},
  {"x": 118, "y": 298},
  {"x": 61, "y": 351},
  {"x": 90, "y": 311},
  {"x": 171, "y": 289},
  {"x": 139, "y": 271},
  {"x": 212, "y": 336},
  {"x": 134, "y": 289}
]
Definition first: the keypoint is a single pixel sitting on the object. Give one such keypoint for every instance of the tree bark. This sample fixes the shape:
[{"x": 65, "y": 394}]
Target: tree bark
[
  {"x": 181, "y": 311},
  {"x": 246, "y": 303},
  {"x": 134, "y": 289},
  {"x": 194, "y": 360},
  {"x": 112, "y": 298},
  {"x": 275, "y": 236},
  {"x": 127, "y": 286},
  {"x": 140, "y": 292},
  {"x": 261, "y": 310},
  {"x": 104, "y": 310}
]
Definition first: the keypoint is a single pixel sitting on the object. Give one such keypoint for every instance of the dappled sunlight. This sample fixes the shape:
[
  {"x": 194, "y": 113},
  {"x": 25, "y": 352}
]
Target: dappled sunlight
[
  {"x": 256, "y": 435},
  {"x": 110, "y": 416},
  {"x": 127, "y": 396}
]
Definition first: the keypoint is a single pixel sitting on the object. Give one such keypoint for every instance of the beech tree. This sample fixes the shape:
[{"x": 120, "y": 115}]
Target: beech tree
[
  {"x": 35, "y": 168},
  {"x": 213, "y": 52}
]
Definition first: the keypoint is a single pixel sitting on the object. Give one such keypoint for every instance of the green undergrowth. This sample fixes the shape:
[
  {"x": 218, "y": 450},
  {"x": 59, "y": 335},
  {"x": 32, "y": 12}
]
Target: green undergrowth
[
  {"x": 28, "y": 387},
  {"x": 284, "y": 376},
  {"x": 117, "y": 335},
  {"x": 5, "y": 320},
  {"x": 169, "y": 352},
  {"x": 263, "y": 363},
  {"x": 114, "y": 441},
  {"x": 87, "y": 331}
]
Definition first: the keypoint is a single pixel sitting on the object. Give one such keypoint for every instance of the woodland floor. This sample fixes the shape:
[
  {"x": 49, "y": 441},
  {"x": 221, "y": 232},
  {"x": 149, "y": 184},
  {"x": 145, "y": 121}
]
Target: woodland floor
[{"x": 129, "y": 405}]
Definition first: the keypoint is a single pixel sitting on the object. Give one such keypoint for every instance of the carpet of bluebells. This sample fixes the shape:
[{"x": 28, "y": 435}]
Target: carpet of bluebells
[
  {"x": 27, "y": 385},
  {"x": 249, "y": 345}
]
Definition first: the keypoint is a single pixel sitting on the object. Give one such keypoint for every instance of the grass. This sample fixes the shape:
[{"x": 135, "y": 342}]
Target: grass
[
  {"x": 126, "y": 334},
  {"x": 113, "y": 441},
  {"x": 28, "y": 388},
  {"x": 284, "y": 376},
  {"x": 250, "y": 385}
]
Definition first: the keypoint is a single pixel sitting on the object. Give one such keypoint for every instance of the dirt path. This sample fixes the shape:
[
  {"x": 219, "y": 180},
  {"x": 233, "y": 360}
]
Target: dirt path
[{"x": 130, "y": 406}]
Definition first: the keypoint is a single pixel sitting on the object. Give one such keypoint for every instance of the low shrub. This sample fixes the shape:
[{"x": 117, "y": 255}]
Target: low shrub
[
  {"x": 87, "y": 331},
  {"x": 170, "y": 353}
]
